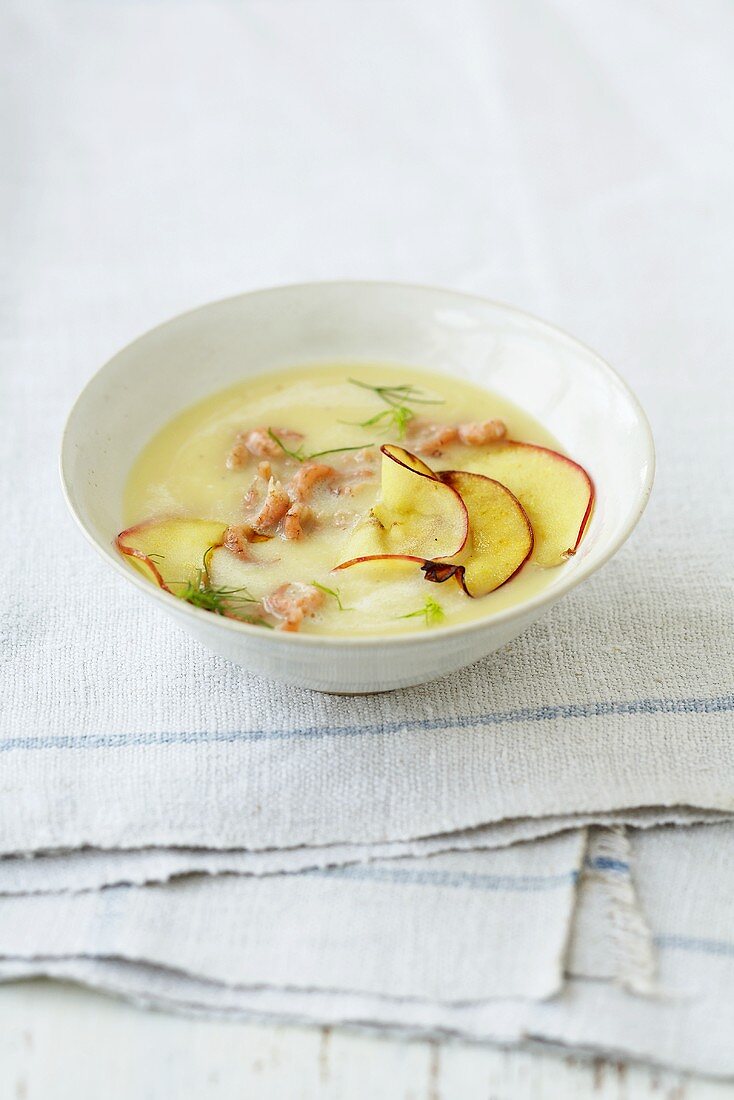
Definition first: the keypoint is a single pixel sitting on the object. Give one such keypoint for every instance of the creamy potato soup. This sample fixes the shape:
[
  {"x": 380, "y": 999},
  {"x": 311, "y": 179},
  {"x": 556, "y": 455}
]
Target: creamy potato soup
[{"x": 353, "y": 500}]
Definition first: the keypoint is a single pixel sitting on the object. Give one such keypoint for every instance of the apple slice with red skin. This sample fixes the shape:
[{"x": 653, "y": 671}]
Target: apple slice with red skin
[
  {"x": 407, "y": 458},
  {"x": 365, "y": 559},
  {"x": 501, "y": 537},
  {"x": 419, "y": 516},
  {"x": 416, "y": 513},
  {"x": 170, "y": 551},
  {"x": 436, "y": 571},
  {"x": 556, "y": 493},
  {"x": 499, "y": 544}
]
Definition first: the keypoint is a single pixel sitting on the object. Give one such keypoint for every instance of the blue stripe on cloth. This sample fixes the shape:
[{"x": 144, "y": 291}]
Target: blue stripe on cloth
[
  {"x": 606, "y": 863},
  {"x": 716, "y": 705},
  {"x": 402, "y": 876},
  {"x": 698, "y": 945}
]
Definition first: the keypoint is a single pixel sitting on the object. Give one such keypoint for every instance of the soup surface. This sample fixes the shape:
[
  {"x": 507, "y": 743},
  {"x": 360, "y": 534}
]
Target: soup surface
[{"x": 290, "y": 467}]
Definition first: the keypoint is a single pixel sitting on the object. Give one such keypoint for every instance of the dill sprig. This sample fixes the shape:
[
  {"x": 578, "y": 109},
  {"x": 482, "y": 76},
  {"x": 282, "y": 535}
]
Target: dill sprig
[
  {"x": 395, "y": 395},
  {"x": 399, "y": 416},
  {"x": 301, "y": 457},
  {"x": 334, "y": 593},
  {"x": 431, "y": 611},
  {"x": 399, "y": 400},
  {"x": 219, "y": 599}
]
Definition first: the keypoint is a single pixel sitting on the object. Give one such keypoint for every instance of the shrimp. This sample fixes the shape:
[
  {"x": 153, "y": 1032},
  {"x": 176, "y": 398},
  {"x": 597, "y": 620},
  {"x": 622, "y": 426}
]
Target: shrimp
[
  {"x": 480, "y": 433},
  {"x": 292, "y": 602},
  {"x": 237, "y": 538},
  {"x": 294, "y": 520},
  {"x": 238, "y": 456},
  {"x": 252, "y": 495},
  {"x": 260, "y": 443},
  {"x": 258, "y": 485},
  {"x": 430, "y": 439},
  {"x": 305, "y": 480},
  {"x": 277, "y": 503}
]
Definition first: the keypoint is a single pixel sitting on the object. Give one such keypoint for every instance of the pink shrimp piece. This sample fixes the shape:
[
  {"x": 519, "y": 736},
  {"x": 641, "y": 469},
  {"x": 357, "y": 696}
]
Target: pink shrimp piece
[
  {"x": 253, "y": 494},
  {"x": 238, "y": 456},
  {"x": 431, "y": 439},
  {"x": 294, "y": 521},
  {"x": 260, "y": 443},
  {"x": 277, "y": 503},
  {"x": 292, "y": 528},
  {"x": 292, "y": 602},
  {"x": 305, "y": 479},
  {"x": 258, "y": 484},
  {"x": 480, "y": 433},
  {"x": 237, "y": 538}
]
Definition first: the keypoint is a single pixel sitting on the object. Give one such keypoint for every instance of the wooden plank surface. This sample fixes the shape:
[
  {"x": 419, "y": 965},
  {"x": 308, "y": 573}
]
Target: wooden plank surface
[{"x": 62, "y": 1043}]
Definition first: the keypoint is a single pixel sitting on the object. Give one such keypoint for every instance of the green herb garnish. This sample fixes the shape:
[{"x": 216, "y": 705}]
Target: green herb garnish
[
  {"x": 400, "y": 417},
  {"x": 399, "y": 399},
  {"x": 431, "y": 611},
  {"x": 334, "y": 592},
  {"x": 301, "y": 457},
  {"x": 219, "y": 599},
  {"x": 395, "y": 395},
  {"x": 335, "y": 451}
]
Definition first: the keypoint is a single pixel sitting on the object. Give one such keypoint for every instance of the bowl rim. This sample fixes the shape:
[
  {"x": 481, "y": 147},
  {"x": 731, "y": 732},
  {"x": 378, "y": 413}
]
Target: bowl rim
[{"x": 535, "y": 603}]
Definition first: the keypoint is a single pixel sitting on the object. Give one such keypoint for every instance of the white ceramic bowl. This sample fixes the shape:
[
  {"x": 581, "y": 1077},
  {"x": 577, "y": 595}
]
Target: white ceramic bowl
[{"x": 559, "y": 381}]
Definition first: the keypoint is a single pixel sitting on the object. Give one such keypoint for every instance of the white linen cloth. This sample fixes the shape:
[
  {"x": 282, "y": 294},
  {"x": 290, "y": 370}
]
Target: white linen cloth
[
  {"x": 566, "y": 157},
  {"x": 93, "y": 868},
  {"x": 429, "y": 947},
  {"x": 335, "y": 929}
]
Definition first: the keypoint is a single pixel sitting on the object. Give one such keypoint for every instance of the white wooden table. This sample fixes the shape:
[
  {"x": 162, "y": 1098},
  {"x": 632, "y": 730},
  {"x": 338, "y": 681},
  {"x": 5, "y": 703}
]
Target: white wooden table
[{"x": 62, "y": 1043}]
